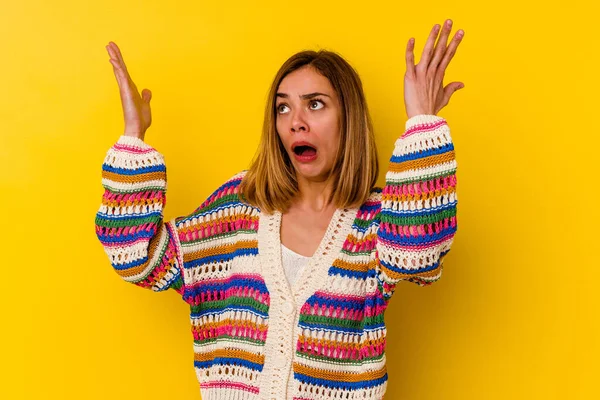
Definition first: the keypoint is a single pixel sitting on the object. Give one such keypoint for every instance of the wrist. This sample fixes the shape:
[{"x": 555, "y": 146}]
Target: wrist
[{"x": 136, "y": 135}]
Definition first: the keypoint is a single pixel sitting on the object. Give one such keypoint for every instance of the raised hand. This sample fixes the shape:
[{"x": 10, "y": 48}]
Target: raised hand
[
  {"x": 136, "y": 107},
  {"x": 424, "y": 92}
]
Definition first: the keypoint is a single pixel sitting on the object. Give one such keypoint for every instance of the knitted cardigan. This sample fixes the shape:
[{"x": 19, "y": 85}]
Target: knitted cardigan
[{"x": 255, "y": 337}]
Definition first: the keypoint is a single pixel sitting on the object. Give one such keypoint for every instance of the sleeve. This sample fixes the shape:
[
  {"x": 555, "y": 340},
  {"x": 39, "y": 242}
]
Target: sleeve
[
  {"x": 418, "y": 206},
  {"x": 141, "y": 247}
]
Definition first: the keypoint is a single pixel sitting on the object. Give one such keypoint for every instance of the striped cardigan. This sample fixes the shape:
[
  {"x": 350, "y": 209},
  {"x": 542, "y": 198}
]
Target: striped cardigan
[{"x": 255, "y": 337}]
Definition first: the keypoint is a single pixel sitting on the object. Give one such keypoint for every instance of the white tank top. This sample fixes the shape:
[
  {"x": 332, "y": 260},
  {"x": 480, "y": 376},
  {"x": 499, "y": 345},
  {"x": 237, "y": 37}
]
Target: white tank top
[{"x": 293, "y": 263}]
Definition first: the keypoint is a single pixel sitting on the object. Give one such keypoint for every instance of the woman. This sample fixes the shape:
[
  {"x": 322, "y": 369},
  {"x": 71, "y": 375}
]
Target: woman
[{"x": 288, "y": 267}]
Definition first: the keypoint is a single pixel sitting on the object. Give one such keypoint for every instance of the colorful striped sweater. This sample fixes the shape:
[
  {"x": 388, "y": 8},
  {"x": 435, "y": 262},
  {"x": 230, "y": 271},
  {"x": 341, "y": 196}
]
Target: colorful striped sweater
[{"x": 255, "y": 337}]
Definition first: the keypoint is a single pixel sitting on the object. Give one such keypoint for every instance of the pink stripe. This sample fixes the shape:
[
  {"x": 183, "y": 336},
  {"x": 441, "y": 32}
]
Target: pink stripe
[
  {"x": 129, "y": 149},
  {"x": 338, "y": 297},
  {"x": 423, "y": 128},
  {"x": 229, "y": 384},
  {"x": 421, "y": 187}
]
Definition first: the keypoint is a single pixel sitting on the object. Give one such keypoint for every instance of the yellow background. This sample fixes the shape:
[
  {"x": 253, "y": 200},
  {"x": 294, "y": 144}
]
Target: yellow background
[{"x": 515, "y": 314}]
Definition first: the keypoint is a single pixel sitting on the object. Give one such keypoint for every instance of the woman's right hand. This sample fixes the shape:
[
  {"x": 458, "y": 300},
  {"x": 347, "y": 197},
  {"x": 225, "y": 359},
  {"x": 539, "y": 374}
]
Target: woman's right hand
[{"x": 136, "y": 107}]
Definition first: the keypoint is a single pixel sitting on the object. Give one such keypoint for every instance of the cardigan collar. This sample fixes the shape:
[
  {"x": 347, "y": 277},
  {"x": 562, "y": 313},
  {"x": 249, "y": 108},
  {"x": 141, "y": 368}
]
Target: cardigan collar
[{"x": 315, "y": 273}]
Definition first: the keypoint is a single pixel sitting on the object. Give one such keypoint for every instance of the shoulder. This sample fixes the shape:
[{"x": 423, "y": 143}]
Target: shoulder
[
  {"x": 224, "y": 200},
  {"x": 373, "y": 202},
  {"x": 368, "y": 212}
]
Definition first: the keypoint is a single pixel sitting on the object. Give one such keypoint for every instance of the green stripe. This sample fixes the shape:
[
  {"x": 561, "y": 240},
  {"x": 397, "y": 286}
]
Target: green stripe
[
  {"x": 233, "y": 300},
  {"x": 362, "y": 223},
  {"x": 339, "y": 361},
  {"x": 356, "y": 253},
  {"x": 177, "y": 283},
  {"x": 418, "y": 220},
  {"x": 340, "y": 322},
  {"x": 228, "y": 339},
  {"x": 119, "y": 223}
]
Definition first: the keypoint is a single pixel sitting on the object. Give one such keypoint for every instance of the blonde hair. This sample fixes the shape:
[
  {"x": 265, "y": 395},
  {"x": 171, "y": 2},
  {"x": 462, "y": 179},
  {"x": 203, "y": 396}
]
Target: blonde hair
[{"x": 270, "y": 183}]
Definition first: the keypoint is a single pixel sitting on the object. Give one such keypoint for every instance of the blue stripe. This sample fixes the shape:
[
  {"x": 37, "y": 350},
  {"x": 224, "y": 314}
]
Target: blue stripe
[
  {"x": 360, "y": 229},
  {"x": 344, "y": 272},
  {"x": 422, "y": 154},
  {"x": 348, "y": 304},
  {"x": 228, "y": 361},
  {"x": 127, "y": 238},
  {"x": 414, "y": 240},
  {"x": 137, "y": 171},
  {"x": 156, "y": 214},
  {"x": 132, "y": 264},
  {"x": 373, "y": 207},
  {"x": 326, "y": 383},
  {"x": 235, "y": 282}
]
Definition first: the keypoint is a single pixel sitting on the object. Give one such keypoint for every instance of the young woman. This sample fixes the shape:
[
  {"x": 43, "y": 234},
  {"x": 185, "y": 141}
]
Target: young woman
[{"x": 289, "y": 266}]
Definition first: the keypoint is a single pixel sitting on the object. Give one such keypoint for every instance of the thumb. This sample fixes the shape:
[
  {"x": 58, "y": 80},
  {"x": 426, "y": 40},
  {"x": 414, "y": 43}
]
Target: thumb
[
  {"x": 451, "y": 88},
  {"x": 449, "y": 91},
  {"x": 146, "y": 95}
]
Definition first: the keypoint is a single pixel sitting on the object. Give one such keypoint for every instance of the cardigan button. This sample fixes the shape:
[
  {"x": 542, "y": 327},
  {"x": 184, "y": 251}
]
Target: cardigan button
[{"x": 288, "y": 307}]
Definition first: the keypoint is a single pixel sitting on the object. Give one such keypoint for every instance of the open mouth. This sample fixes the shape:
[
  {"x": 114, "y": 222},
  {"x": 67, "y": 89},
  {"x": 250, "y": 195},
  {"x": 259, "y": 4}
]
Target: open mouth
[{"x": 304, "y": 149}]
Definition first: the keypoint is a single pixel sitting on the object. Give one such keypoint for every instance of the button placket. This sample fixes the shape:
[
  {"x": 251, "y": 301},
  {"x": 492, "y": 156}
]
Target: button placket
[{"x": 288, "y": 307}]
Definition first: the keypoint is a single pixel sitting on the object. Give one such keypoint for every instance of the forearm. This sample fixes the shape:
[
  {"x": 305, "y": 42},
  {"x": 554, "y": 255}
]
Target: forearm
[
  {"x": 129, "y": 222},
  {"x": 418, "y": 204}
]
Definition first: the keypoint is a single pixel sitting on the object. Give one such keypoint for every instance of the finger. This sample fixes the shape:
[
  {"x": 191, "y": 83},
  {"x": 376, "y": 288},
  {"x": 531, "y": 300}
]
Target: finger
[
  {"x": 440, "y": 48},
  {"x": 146, "y": 95},
  {"x": 451, "y": 50},
  {"x": 449, "y": 90},
  {"x": 115, "y": 57},
  {"x": 428, "y": 49},
  {"x": 119, "y": 56},
  {"x": 410, "y": 58},
  {"x": 119, "y": 73}
]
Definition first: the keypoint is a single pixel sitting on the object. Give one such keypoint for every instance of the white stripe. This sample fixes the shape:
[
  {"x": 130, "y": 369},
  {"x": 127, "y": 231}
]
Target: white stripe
[
  {"x": 422, "y": 141},
  {"x": 123, "y": 159},
  {"x": 420, "y": 173},
  {"x": 361, "y": 366},
  {"x": 137, "y": 210},
  {"x": 132, "y": 186}
]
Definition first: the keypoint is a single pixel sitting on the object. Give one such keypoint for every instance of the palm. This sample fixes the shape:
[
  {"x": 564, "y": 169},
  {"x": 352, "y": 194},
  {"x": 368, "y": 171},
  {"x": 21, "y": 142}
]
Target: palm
[
  {"x": 424, "y": 91},
  {"x": 136, "y": 106}
]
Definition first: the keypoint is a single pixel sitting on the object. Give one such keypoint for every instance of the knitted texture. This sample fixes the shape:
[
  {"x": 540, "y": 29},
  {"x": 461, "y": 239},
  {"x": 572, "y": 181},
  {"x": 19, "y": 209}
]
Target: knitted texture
[{"x": 256, "y": 336}]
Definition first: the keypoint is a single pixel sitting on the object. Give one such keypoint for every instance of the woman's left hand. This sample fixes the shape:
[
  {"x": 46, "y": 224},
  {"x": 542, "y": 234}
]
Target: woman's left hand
[{"x": 424, "y": 92}]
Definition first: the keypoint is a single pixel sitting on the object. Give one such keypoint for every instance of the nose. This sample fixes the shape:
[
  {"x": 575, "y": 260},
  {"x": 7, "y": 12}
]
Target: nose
[{"x": 299, "y": 122}]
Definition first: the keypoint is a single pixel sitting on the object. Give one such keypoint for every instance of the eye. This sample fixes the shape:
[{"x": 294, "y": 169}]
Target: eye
[
  {"x": 281, "y": 107},
  {"x": 318, "y": 103}
]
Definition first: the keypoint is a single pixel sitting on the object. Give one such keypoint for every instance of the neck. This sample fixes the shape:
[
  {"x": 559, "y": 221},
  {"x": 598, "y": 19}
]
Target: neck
[{"x": 314, "y": 195}]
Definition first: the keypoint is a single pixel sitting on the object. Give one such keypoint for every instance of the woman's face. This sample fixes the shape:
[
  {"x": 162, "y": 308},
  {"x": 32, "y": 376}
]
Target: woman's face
[{"x": 308, "y": 122}]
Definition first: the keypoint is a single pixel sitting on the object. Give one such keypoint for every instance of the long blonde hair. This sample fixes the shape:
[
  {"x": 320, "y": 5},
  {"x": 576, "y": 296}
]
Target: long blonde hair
[{"x": 270, "y": 183}]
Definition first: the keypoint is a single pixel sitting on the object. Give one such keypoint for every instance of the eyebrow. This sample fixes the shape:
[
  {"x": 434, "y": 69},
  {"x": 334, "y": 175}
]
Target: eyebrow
[{"x": 304, "y": 96}]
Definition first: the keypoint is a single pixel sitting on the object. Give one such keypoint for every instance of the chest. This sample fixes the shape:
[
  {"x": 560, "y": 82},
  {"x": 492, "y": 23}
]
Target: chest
[{"x": 302, "y": 232}]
